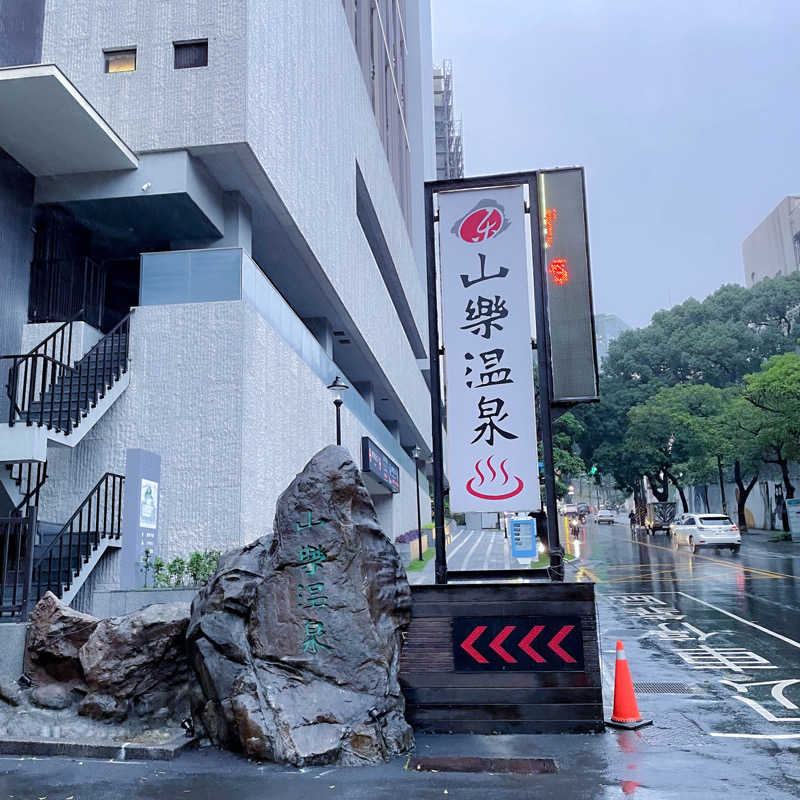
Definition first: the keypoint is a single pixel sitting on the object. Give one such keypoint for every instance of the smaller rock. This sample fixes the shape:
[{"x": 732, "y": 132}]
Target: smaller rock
[
  {"x": 103, "y": 707},
  {"x": 55, "y": 635},
  {"x": 51, "y": 695},
  {"x": 10, "y": 692}
]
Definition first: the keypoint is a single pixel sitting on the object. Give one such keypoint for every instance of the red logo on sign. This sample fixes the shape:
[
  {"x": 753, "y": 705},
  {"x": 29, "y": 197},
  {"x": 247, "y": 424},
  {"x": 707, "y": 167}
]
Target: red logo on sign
[
  {"x": 494, "y": 482},
  {"x": 558, "y": 269},
  {"x": 484, "y": 221}
]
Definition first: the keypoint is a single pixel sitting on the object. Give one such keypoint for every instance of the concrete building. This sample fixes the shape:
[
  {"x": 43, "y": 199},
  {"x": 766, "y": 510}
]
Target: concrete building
[
  {"x": 449, "y": 150},
  {"x": 607, "y": 327},
  {"x": 227, "y": 199},
  {"x": 773, "y": 248}
]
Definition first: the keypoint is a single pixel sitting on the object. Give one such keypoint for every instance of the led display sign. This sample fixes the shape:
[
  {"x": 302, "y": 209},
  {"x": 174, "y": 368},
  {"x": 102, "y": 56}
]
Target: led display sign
[
  {"x": 569, "y": 293},
  {"x": 379, "y": 465}
]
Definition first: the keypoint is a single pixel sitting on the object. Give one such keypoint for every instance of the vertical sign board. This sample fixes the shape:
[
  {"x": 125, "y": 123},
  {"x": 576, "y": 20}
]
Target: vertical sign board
[
  {"x": 139, "y": 515},
  {"x": 565, "y": 255},
  {"x": 491, "y": 419},
  {"x": 793, "y": 510}
]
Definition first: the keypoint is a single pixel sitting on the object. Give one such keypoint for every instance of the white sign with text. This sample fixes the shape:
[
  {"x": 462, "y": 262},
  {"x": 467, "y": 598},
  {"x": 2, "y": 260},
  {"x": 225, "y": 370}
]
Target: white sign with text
[{"x": 491, "y": 418}]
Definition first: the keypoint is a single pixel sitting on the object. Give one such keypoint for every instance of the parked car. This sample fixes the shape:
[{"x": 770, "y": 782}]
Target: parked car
[
  {"x": 705, "y": 530},
  {"x": 605, "y": 516}
]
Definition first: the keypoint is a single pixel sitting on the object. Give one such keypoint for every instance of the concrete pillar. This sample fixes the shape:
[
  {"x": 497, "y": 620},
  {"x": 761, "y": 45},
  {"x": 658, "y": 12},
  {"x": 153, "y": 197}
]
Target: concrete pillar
[
  {"x": 323, "y": 332},
  {"x": 238, "y": 223},
  {"x": 364, "y": 388}
]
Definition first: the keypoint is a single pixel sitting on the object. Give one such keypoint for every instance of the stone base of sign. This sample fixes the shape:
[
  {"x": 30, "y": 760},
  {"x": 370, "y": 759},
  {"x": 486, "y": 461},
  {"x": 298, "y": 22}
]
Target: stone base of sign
[
  {"x": 503, "y": 658},
  {"x": 296, "y": 638}
]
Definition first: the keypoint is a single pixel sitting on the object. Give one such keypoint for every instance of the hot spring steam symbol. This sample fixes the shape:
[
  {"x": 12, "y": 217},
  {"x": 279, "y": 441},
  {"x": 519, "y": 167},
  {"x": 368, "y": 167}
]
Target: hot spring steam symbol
[{"x": 498, "y": 482}]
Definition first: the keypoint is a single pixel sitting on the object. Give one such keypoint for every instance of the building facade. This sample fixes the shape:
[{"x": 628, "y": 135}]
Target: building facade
[
  {"x": 226, "y": 198},
  {"x": 449, "y": 150},
  {"x": 773, "y": 248}
]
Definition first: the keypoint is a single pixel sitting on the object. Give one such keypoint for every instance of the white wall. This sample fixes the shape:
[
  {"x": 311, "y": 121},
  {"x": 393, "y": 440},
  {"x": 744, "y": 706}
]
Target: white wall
[
  {"x": 769, "y": 249},
  {"x": 235, "y": 414}
]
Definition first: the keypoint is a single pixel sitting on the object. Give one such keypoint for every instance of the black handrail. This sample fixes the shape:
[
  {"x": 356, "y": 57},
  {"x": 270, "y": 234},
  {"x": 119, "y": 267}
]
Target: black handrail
[
  {"x": 98, "y": 517},
  {"x": 16, "y": 562},
  {"x": 32, "y": 486},
  {"x": 49, "y": 391}
]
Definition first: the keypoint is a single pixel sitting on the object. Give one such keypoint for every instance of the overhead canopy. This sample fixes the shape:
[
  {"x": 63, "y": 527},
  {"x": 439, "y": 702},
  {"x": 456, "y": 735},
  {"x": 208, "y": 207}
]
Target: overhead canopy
[{"x": 51, "y": 129}]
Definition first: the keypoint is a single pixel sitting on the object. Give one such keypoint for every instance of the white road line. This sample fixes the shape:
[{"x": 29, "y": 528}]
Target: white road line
[
  {"x": 463, "y": 538},
  {"x": 756, "y": 735},
  {"x": 741, "y": 619},
  {"x": 472, "y": 550}
]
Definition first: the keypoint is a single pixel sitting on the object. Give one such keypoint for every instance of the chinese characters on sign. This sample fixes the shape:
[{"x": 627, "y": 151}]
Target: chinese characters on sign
[
  {"x": 311, "y": 595},
  {"x": 491, "y": 421}
]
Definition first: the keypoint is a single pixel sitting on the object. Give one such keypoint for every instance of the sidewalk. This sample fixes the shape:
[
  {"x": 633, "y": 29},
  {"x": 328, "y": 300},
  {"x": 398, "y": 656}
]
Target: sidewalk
[{"x": 757, "y": 539}]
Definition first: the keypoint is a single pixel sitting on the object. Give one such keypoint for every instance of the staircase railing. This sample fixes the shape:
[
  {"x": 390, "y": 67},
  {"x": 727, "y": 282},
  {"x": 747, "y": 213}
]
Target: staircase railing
[
  {"x": 17, "y": 535},
  {"x": 98, "y": 517},
  {"x": 29, "y": 477},
  {"x": 46, "y": 390},
  {"x": 59, "y": 285}
]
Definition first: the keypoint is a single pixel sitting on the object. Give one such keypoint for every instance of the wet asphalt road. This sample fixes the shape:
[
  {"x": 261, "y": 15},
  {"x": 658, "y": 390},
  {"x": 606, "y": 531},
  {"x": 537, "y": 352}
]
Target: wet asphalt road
[{"x": 713, "y": 643}]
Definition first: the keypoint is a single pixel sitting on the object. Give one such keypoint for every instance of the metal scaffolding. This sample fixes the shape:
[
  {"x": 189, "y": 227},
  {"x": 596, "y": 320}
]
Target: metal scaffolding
[{"x": 449, "y": 151}]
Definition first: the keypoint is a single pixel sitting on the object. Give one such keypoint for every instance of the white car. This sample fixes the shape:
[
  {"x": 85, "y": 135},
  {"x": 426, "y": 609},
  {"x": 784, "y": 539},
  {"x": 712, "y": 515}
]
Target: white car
[
  {"x": 705, "y": 530},
  {"x": 605, "y": 515}
]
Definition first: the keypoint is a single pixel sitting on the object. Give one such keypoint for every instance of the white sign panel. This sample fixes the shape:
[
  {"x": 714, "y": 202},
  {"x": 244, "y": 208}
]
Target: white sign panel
[
  {"x": 148, "y": 504},
  {"x": 491, "y": 420}
]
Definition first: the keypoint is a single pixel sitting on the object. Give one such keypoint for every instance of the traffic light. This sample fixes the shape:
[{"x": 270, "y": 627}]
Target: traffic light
[
  {"x": 593, "y": 470},
  {"x": 565, "y": 257}
]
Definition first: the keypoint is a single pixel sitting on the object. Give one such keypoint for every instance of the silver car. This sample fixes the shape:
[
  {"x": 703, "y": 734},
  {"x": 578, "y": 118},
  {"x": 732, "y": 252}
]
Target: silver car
[{"x": 705, "y": 530}]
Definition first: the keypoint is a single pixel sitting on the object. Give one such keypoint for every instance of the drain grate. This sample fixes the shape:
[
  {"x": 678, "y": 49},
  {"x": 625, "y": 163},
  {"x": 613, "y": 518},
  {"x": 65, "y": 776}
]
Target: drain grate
[{"x": 665, "y": 688}]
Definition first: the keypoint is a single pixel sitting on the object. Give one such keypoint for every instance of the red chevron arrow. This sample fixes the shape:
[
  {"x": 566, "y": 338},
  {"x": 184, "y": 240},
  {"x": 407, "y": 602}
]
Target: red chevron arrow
[
  {"x": 496, "y": 644},
  {"x": 525, "y": 644},
  {"x": 466, "y": 645},
  {"x": 554, "y": 643}
]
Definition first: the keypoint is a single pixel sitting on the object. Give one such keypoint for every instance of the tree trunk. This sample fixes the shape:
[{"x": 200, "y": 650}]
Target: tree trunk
[
  {"x": 744, "y": 493},
  {"x": 680, "y": 492},
  {"x": 661, "y": 494},
  {"x": 786, "y": 482}
]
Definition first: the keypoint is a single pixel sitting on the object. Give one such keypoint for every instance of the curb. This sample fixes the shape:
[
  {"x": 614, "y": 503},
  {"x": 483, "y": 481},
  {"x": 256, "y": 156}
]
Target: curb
[{"x": 128, "y": 751}]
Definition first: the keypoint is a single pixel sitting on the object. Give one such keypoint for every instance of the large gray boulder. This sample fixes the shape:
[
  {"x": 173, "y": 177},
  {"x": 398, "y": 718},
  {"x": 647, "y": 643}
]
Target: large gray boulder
[
  {"x": 56, "y": 634},
  {"x": 138, "y": 663},
  {"x": 296, "y": 638}
]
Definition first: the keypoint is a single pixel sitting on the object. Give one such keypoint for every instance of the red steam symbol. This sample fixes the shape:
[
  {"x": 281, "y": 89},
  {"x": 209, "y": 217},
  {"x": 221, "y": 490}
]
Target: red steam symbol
[
  {"x": 503, "y": 495},
  {"x": 482, "y": 222}
]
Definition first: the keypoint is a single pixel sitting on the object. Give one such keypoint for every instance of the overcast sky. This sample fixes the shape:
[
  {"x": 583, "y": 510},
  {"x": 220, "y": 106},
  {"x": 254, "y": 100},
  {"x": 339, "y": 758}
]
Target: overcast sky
[{"x": 685, "y": 113}]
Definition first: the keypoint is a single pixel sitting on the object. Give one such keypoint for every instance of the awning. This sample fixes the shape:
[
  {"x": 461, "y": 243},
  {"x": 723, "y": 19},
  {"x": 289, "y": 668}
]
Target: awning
[{"x": 51, "y": 129}]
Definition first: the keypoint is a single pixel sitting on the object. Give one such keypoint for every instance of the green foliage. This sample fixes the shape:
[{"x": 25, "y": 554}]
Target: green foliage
[
  {"x": 688, "y": 378},
  {"x": 194, "y": 571}
]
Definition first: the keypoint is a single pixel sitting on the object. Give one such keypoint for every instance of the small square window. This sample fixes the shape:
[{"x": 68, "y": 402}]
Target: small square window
[
  {"x": 120, "y": 60},
  {"x": 191, "y": 54}
]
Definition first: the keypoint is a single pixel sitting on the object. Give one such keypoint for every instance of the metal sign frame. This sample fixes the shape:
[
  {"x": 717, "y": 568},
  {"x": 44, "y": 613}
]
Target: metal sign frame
[{"x": 545, "y": 384}]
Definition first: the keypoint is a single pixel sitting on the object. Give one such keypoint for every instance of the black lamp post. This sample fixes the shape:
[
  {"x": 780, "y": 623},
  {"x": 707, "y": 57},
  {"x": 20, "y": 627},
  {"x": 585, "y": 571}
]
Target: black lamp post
[
  {"x": 338, "y": 387},
  {"x": 416, "y": 453}
]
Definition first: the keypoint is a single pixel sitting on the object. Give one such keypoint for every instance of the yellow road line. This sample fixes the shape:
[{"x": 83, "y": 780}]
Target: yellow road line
[{"x": 725, "y": 563}]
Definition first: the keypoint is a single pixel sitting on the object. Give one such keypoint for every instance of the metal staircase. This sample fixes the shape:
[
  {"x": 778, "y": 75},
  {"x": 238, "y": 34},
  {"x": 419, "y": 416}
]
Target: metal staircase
[
  {"x": 54, "y": 389},
  {"x": 46, "y": 389},
  {"x": 36, "y": 557}
]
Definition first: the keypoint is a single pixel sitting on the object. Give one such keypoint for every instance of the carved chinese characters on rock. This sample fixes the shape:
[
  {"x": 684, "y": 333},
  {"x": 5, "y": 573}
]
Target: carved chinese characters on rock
[
  {"x": 311, "y": 588},
  {"x": 486, "y": 333}
]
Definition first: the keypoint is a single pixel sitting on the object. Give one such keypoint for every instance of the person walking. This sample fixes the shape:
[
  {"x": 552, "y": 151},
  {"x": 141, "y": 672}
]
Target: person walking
[{"x": 632, "y": 518}]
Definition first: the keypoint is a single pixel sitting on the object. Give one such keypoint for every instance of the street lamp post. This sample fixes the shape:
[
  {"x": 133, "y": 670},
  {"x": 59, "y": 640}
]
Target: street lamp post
[
  {"x": 416, "y": 453},
  {"x": 722, "y": 485},
  {"x": 338, "y": 387}
]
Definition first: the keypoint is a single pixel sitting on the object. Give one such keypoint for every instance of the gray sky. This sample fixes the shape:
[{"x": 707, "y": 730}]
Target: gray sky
[{"x": 685, "y": 113}]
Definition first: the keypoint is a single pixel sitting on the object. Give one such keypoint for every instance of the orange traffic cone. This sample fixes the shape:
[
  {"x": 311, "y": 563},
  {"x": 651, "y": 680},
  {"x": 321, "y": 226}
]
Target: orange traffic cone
[{"x": 626, "y": 711}]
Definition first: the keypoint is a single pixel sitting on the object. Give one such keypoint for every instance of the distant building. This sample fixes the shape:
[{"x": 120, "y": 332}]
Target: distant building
[
  {"x": 773, "y": 248},
  {"x": 607, "y": 327},
  {"x": 449, "y": 152}
]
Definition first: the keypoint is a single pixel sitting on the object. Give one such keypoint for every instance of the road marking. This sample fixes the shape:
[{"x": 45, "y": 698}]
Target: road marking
[
  {"x": 741, "y": 619},
  {"x": 586, "y": 571},
  {"x": 757, "y": 735},
  {"x": 725, "y": 563}
]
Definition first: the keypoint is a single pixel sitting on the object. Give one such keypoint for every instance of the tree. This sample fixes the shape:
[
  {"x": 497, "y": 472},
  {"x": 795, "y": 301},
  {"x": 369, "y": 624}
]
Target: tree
[
  {"x": 566, "y": 429},
  {"x": 775, "y": 391},
  {"x": 672, "y": 433}
]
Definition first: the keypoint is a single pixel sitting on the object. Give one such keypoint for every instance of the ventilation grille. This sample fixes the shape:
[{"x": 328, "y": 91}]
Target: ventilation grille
[{"x": 665, "y": 688}]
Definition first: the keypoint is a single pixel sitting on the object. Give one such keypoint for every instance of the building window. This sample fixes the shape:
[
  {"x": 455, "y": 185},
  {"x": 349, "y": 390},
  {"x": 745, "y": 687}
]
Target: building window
[
  {"x": 120, "y": 60},
  {"x": 191, "y": 54}
]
